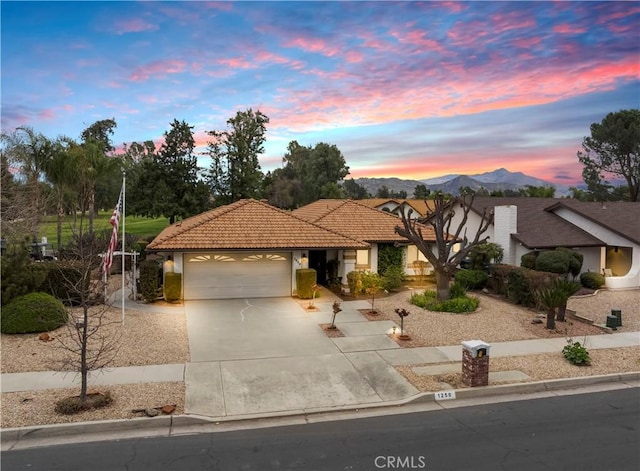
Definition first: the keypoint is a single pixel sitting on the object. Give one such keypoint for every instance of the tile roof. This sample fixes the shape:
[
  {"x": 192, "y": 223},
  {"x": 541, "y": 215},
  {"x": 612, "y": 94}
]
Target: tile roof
[
  {"x": 249, "y": 224},
  {"x": 418, "y": 205},
  {"x": 621, "y": 217},
  {"x": 356, "y": 220},
  {"x": 538, "y": 228}
]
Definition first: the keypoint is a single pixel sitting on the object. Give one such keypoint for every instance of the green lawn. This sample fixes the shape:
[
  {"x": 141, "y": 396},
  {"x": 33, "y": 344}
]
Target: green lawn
[{"x": 141, "y": 226}]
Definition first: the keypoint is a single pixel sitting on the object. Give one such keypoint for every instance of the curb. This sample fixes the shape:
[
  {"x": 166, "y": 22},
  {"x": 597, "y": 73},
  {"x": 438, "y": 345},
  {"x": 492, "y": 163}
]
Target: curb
[{"x": 170, "y": 425}]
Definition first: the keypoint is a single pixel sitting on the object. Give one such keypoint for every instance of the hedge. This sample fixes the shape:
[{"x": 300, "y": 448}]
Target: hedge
[
  {"x": 471, "y": 279},
  {"x": 306, "y": 278},
  {"x": 149, "y": 280},
  {"x": 520, "y": 284},
  {"x": 172, "y": 286}
]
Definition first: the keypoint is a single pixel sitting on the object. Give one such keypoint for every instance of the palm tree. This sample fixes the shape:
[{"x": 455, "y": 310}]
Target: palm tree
[
  {"x": 568, "y": 288},
  {"x": 551, "y": 298},
  {"x": 61, "y": 173}
]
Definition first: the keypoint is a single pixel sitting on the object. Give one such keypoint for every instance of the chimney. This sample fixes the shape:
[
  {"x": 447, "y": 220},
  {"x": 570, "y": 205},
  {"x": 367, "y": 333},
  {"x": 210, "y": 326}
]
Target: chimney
[{"x": 505, "y": 223}]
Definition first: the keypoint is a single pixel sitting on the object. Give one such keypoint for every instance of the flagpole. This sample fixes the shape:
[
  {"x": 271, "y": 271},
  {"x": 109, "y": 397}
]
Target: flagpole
[{"x": 124, "y": 199}]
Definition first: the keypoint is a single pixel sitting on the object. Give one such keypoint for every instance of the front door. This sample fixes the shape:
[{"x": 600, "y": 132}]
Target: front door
[{"x": 318, "y": 261}]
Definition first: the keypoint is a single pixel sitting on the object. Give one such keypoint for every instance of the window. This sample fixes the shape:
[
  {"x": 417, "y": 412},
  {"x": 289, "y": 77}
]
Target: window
[
  {"x": 414, "y": 254},
  {"x": 362, "y": 258}
]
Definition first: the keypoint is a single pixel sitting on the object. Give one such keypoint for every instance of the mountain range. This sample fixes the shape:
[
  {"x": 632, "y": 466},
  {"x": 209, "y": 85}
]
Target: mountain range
[{"x": 500, "y": 179}]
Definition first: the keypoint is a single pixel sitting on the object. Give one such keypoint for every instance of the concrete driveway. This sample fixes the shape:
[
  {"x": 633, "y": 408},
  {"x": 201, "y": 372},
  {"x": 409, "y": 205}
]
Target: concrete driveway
[{"x": 270, "y": 355}]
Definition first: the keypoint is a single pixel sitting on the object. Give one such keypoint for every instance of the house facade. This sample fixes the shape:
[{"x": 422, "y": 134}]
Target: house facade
[
  {"x": 250, "y": 249},
  {"x": 607, "y": 235}
]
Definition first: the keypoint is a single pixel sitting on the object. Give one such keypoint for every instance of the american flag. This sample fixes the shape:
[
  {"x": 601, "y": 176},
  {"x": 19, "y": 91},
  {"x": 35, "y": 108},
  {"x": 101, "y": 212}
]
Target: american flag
[{"x": 113, "y": 243}]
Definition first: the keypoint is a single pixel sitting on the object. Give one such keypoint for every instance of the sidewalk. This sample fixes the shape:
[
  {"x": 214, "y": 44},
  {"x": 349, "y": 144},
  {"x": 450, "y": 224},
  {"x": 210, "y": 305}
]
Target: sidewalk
[{"x": 32, "y": 381}]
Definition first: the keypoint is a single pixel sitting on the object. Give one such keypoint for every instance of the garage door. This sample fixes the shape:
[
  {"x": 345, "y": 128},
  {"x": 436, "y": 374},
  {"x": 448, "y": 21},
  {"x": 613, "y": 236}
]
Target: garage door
[{"x": 237, "y": 275}]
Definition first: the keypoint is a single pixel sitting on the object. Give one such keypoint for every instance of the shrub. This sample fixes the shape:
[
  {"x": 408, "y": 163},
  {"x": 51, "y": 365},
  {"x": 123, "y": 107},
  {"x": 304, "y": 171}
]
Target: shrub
[
  {"x": 33, "y": 312},
  {"x": 471, "y": 279},
  {"x": 393, "y": 278},
  {"x": 482, "y": 255},
  {"x": 457, "y": 290},
  {"x": 457, "y": 305},
  {"x": 561, "y": 261},
  {"x": 576, "y": 353},
  {"x": 427, "y": 300},
  {"x": 389, "y": 257},
  {"x": 423, "y": 300},
  {"x": 149, "y": 280},
  {"x": 64, "y": 280},
  {"x": 370, "y": 281},
  {"x": 19, "y": 275},
  {"x": 592, "y": 280},
  {"x": 523, "y": 283},
  {"x": 306, "y": 278},
  {"x": 333, "y": 267},
  {"x": 172, "y": 286},
  {"x": 528, "y": 260},
  {"x": 354, "y": 281}
]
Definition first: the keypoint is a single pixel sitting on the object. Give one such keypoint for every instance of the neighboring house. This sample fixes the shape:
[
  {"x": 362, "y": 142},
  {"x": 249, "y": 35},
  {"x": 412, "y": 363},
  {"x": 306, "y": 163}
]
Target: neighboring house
[
  {"x": 606, "y": 234},
  {"x": 355, "y": 219},
  {"x": 252, "y": 249}
]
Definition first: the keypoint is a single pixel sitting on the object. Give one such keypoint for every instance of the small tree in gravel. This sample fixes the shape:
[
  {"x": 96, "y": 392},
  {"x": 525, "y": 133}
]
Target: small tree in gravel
[
  {"x": 93, "y": 340},
  {"x": 371, "y": 283},
  {"x": 402, "y": 313},
  {"x": 336, "y": 310}
]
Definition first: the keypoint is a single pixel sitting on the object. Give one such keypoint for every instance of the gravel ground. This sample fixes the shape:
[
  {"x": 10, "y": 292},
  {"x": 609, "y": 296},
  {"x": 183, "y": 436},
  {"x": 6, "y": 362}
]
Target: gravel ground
[
  {"x": 494, "y": 321},
  {"x": 164, "y": 338},
  {"x": 21, "y": 409}
]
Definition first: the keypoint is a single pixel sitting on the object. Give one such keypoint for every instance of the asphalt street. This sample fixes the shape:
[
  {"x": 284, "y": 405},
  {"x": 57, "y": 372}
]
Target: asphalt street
[{"x": 595, "y": 431}]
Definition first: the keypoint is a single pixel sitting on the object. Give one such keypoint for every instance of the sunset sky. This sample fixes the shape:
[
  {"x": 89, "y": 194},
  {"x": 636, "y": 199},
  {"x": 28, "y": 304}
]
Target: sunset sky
[{"x": 409, "y": 90}]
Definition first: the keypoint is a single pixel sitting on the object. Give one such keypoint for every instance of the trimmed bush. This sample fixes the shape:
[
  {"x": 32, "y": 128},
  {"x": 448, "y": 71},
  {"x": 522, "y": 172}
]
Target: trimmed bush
[
  {"x": 561, "y": 261},
  {"x": 33, "y": 312},
  {"x": 528, "y": 260},
  {"x": 172, "y": 286},
  {"x": 149, "y": 280},
  {"x": 592, "y": 280},
  {"x": 354, "y": 280},
  {"x": 471, "y": 279},
  {"x": 305, "y": 279}
]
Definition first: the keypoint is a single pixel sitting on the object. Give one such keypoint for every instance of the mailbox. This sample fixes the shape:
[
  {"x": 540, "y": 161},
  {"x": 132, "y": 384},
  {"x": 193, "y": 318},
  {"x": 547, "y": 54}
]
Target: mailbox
[{"x": 477, "y": 348}]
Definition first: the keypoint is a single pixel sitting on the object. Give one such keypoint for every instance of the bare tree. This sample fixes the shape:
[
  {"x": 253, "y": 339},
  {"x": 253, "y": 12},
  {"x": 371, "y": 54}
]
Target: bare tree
[
  {"x": 93, "y": 338},
  {"x": 447, "y": 234}
]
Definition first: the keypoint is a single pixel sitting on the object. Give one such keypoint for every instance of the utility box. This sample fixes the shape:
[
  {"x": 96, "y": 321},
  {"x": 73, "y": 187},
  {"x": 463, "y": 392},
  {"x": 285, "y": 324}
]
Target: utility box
[
  {"x": 617, "y": 313},
  {"x": 475, "y": 363}
]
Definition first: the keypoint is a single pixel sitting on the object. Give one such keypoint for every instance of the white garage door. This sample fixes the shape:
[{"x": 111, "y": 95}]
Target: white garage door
[{"x": 237, "y": 275}]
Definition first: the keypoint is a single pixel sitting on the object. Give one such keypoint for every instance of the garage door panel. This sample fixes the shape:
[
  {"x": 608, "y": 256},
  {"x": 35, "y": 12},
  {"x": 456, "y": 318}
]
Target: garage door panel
[{"x": 237, "y": 275}]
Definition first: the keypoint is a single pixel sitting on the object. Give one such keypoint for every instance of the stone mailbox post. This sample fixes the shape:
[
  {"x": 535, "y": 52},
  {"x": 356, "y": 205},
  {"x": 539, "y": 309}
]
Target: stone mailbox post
[{"x": 475, "y": 363}]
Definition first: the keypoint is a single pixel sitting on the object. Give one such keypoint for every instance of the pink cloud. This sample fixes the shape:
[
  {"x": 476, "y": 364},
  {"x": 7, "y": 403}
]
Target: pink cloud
[
  {"x": 158, "y": 69},
  {"x": 134, "y": 25},
  {"x": 565, "y": 28},
  {"x": 46, "y": 114},
  {"x": 312, "y": 45}
]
